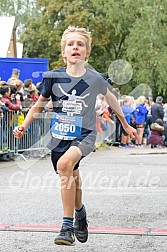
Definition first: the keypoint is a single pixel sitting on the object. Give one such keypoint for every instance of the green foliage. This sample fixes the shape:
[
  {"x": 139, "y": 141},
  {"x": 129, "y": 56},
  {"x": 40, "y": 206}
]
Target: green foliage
[
  {"x": 21, "y": 10},
  {"x": 131, "y": 30},
  {"x": 146, "y": 46}
]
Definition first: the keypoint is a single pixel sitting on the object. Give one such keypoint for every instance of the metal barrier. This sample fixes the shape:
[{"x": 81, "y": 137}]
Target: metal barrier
[
  {"x": 105, "y": 132},
  {"x": 34, "y": 140},
  {"x": 36, "y": 137}
]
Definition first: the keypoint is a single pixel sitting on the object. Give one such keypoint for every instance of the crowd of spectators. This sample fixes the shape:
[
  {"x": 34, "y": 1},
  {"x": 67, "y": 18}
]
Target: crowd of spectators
[
  {"x": 16, "y": 98},
  {"x": 147, "y": 116},
  {"x": 17, "y": 95}
]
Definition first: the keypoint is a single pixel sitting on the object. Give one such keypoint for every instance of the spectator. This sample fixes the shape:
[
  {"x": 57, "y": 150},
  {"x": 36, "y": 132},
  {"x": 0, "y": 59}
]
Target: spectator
[
  {"x": 19, "y": 85},
  {"x": 27, "y": 87},
  {"x": 33, "y": 93},
  {"x": 102, "y": 111},
  {"x": 3, "y": 83},
  {"x": 4, "y": 124},
  {"x": 27, "y": 100},
  {"x": 156, "y": 137},
  {"x": 13, "y": 92},
  {"x": 141, "y": 116},
  {"x": 148, "y": 123},
  {"x": 165, "y": 113},
  {"x": 14, "y": 77},
  {"x": 157, "y": 109},
  {"x": 165, "y": 134},
  {"x": 2, "y": 106},
  {"x": 128, "y": 109},
  {"x": 9, "y": 101}
]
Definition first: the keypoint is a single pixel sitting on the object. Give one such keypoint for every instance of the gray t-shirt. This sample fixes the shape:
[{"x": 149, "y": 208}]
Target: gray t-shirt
[{"x": 73, "y": 97}]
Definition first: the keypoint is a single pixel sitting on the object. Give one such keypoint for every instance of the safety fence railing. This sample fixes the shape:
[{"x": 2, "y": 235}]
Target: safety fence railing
[
  {"x": 35, "y": 138},
  {"x": 37, "y": 135},
  {"x": 106, "y": 130}
]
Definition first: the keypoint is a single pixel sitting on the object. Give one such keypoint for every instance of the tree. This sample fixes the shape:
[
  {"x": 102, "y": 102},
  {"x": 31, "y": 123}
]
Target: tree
[
  {"x": 134, "y": 31},
  {"x": 56, "y": 16},
  {"x": 20, "y": 9},
  {"x": 146, "y": 46}
]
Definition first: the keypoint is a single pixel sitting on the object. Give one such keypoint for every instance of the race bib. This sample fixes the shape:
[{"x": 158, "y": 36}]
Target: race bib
[{"x": 66, "y": 127}]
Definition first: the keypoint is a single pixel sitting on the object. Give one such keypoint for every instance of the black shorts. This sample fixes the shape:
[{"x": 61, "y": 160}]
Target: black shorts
[
  {"x": 55, "y": 157},
  {"x": 82, "y": 143}
]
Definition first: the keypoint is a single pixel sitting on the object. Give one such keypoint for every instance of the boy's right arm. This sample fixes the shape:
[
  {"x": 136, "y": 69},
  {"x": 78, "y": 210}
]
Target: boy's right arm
[{"x": 37, "y": 108}]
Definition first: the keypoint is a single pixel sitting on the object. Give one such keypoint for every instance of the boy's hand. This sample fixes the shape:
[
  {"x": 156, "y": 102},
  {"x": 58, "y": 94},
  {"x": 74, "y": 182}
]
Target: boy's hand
[
  {"x": 19, "y": 131},
  {"x": 131, "y": 132}
]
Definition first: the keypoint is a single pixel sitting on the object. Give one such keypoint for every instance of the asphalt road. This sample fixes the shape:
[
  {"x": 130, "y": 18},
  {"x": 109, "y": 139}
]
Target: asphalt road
[{"x": 122, "y": 189}]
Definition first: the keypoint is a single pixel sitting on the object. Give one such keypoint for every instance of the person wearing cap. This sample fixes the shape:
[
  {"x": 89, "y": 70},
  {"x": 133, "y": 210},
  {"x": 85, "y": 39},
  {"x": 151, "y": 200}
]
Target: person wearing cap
[
  {"x": 15, "y": 72},
  {"x": 14, "y": 77},
  {"x": 157, "y": 111}
]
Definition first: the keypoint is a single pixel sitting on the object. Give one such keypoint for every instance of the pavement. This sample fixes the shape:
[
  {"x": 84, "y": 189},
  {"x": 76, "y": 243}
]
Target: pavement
[{"x": 124, "y": 191}]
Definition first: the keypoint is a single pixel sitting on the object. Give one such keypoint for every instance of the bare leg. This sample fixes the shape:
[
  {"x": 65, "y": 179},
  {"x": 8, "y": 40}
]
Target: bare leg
[
  {"x": 140, "y": 135},
  {"x": 65, "y": 167},
  {"x": 124, "y": 139},
  {"x": 78, "y": 196}
]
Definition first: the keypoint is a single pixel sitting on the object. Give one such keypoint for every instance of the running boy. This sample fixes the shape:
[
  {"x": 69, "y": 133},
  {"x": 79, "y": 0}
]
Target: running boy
[{"x": 73, "y": 91}]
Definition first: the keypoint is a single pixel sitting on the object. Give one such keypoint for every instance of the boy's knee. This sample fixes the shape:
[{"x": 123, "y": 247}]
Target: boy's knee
[{"x": 64, "y": 165}]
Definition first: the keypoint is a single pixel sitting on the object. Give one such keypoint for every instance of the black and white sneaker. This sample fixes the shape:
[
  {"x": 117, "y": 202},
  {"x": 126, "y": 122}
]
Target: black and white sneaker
[
  {"x": 81, "y": 229},
  {"x": 66, "y": 237}
]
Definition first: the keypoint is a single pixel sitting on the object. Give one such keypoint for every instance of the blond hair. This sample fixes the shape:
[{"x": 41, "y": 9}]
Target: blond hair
[
  {"x": 141, "y": 100},
  {"x": 81, "y": 31}
]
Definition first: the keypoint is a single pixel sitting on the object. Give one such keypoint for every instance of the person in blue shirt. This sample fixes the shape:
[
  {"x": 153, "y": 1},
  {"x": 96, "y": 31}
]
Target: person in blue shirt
[
  {"x": 128, "y": 108},
  {"x": 141, "y": 116}
]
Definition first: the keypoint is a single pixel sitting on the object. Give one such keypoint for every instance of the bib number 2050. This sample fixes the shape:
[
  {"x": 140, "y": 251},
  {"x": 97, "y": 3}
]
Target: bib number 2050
[{"x": 64, "y": 127}]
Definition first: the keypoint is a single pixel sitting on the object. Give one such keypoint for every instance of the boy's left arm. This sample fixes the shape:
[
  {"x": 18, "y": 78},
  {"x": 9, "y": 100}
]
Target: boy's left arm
[{"x": 114, "y": 104}]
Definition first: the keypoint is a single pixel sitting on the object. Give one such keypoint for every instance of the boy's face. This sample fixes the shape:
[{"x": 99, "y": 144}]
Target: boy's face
[{"x": 75, "y": 49}]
